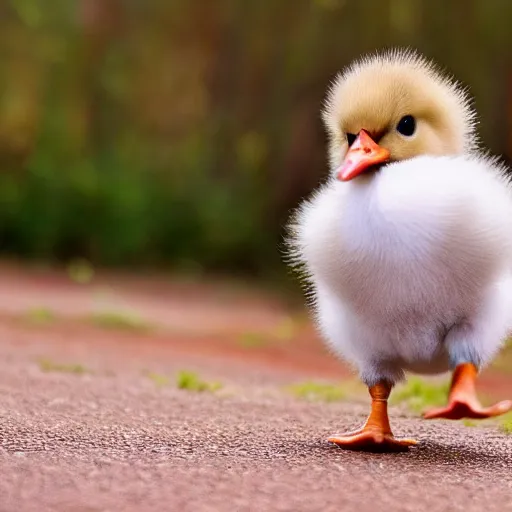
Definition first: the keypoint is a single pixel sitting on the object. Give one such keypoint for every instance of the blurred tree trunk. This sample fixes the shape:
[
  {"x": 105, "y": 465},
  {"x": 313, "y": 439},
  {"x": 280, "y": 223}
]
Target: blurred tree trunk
[
  {"x": 21, "y": 86},
  {"x": 223, "y": 80},
  {"x": 101, "y": 22}
]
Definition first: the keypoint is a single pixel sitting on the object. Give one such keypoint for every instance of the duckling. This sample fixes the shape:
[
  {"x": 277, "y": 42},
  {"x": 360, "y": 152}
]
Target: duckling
[{"x": 407, "y": 248}]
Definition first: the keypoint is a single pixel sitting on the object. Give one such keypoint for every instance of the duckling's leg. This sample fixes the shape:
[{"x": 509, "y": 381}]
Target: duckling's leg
[
  {"x": 375, "y": 434},
  {"x": 463, "y": 402}
]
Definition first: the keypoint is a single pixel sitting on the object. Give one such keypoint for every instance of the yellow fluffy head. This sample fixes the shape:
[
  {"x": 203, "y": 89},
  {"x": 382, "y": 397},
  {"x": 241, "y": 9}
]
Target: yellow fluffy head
[{"x": 376, "y": 92}]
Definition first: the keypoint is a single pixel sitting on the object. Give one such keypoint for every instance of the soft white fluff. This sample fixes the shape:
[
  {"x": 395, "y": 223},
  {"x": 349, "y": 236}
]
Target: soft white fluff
[{"x": 411, "y": 266}]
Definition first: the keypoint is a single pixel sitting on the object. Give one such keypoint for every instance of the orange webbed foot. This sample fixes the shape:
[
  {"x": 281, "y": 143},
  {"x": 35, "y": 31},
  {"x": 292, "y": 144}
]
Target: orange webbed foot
[
  {"x": 375, "y": 435},
  {"x": 372, "y": 441},
  {"x": 458, "y": 409},
  {"x": 463, "y": 402}
]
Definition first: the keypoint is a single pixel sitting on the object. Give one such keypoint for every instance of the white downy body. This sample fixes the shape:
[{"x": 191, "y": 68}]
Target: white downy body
[{"x": 411, "y": 265}]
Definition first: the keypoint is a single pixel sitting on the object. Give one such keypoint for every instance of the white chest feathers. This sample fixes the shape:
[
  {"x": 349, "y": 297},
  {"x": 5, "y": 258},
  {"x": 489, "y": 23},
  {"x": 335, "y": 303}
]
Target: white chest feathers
[{"x": 424, "y": 236}]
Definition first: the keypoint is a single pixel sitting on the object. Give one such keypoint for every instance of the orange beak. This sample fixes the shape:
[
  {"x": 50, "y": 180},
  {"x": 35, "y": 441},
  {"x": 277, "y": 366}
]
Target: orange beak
[{"x": 363, "y": 153}]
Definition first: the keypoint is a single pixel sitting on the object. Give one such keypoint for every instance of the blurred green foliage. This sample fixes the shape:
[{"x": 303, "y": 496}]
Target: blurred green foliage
[
  {"x": 47, "y": 366},
  {"x": 318, "y": 391},
  {"x": 191, "y": 381},
  {"x": 181, "y": 133},
  {"x": 420, "y": 394}
]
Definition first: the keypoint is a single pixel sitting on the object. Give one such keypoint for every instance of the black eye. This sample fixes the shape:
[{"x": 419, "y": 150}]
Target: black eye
[
  {"x": 351, "y": 137},
  {"x": 406, "y": 126}
]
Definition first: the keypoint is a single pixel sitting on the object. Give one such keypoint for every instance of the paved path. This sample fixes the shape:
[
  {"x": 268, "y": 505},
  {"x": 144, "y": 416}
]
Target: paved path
[{"x": 106, "y": 437}]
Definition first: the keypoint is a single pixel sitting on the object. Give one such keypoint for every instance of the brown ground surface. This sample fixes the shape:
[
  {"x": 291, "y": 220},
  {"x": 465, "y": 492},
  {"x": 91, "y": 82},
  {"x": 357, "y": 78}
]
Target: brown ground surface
[{"x": 111, "y": 439}]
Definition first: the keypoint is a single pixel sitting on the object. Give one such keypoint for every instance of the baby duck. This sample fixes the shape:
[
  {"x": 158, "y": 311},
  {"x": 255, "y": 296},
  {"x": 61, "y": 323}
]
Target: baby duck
[{"x": 408, "y": 246}]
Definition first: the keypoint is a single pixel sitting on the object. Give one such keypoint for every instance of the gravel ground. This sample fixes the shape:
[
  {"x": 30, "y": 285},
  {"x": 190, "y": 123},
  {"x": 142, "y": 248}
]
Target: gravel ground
[
  {"x": 114, "y": 440},
  {"x": 106, "y": 437}
]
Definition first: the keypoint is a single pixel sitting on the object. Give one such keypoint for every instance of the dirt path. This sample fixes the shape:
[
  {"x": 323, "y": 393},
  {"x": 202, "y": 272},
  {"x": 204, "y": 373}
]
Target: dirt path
[{"x": 89, "y": 423}]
